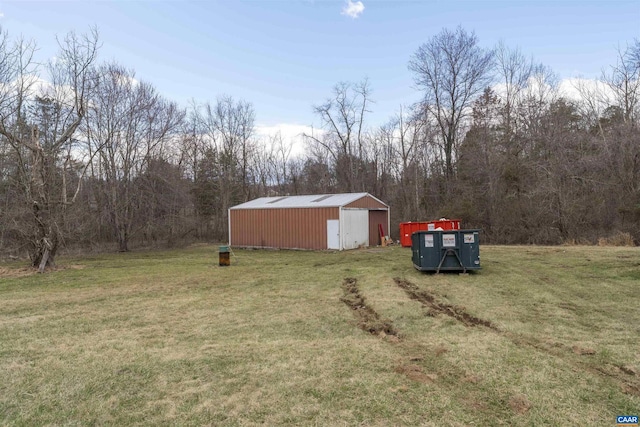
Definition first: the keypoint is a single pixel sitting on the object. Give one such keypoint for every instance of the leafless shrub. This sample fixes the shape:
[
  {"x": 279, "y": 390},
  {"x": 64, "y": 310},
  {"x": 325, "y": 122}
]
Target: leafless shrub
[{"x": 618, "y": 239}]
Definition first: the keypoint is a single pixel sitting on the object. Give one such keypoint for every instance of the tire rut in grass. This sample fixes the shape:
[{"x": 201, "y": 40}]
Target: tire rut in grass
[
  {"x": 628, "y": 385},
  {"x": 368, "y": 319},
  {"x": 427, "y": 299},
  {"x": 624, "y": 375}
]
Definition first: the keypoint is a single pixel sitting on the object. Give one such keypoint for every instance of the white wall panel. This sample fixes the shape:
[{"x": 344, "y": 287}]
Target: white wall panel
[{"x": 355, "y": 228}]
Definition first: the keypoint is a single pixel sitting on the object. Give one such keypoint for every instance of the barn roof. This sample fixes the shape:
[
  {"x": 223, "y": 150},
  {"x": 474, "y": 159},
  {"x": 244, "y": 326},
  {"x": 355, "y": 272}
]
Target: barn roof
[{"x": 307, "y": 201}]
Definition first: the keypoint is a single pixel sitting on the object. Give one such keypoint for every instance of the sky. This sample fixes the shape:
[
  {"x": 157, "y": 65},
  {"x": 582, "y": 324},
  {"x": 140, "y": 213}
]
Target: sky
[{"x": 284, "y": 56}]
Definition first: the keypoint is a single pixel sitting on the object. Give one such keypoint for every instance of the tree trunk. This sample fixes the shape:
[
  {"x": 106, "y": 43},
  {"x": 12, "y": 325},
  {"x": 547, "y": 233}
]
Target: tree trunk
[
  {"x": 123, "y": 242},
  {"x": 43, "y": 263},
  {"x": 44, "y": 250},
  {"x": 45, "y": 239}
]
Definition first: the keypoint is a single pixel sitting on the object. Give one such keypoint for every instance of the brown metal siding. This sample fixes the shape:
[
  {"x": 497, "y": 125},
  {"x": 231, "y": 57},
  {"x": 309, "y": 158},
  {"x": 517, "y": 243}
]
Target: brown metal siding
[
  {"x": 293, "y": 228},
  {"x": 367, "y": 202},
  {"x": 375, "y": 218}
]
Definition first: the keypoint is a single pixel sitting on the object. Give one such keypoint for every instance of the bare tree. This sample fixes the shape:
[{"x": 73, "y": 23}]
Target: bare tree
[
  {"x": 343, "y": 120},
  {"x": 623, "y": 79},
  {"x": 634, "y": 52},
  {"x": 408, "y": 131},
  {"x": 233, "y": 124},
  {"x": 514, "y": 70},
  {"x": 533, "y": 105},
  {"x": 594, "y": 100},
  {"x": 127, "y": 127},
  {"x": 452, "y": 70},
  {"x": 280, "y": 154},
  {"x": 227, "y": 127},
  {"x": 39, "y": 120},
  {"x": 192, "y": 144}
]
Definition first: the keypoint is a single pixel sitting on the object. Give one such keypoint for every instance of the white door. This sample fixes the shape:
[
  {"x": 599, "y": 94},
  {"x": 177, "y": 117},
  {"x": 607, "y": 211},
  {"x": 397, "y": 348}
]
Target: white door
[
  {"x": 355, "y": 228},
  {"x": 333, "y": 234}
]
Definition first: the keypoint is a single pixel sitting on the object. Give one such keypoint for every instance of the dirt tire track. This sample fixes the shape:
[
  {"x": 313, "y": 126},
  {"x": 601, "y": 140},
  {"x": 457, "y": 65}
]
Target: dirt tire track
[
  {"x": 368, "y": 319},
  {"x": 427, "y": 299},
  {"x": 624, "y": 376}
]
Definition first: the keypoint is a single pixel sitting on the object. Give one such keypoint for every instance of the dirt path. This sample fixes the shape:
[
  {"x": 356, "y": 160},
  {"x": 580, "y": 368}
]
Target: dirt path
[
  {"x": 626, "y": 377},
  {"x": 368, "y": 319},
  {"x": 428, "y": 300}
]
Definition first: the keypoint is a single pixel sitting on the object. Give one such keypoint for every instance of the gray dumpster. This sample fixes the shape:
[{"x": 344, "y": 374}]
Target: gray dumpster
[{"x": 449, "y": 250}]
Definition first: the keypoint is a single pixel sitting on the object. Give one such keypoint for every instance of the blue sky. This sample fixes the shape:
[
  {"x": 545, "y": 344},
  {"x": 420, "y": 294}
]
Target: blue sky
[{"x": 285, "y": 56}]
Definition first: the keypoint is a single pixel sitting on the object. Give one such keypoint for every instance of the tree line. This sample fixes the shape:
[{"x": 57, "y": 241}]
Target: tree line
[{"x": 90, "y": 156}]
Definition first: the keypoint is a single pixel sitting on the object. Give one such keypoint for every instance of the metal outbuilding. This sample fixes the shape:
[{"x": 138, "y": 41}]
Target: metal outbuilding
[{"x": 320, "y": 221}]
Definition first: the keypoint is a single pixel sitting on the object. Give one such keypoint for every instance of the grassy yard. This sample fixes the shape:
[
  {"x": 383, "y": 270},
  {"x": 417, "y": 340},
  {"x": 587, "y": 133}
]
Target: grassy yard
[{"x": 541, "y": 336}]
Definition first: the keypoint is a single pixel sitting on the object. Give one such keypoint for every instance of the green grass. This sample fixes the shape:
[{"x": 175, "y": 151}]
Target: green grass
[{"x": 170, "y": 338}]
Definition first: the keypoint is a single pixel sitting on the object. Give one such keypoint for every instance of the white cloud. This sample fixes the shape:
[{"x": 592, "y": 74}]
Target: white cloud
[
  {"x": 290, "y": 133},
  {"x": 353, "y": 9},
  {"x": 577, "y": 89},
  {"x": 31, "y": 83}
]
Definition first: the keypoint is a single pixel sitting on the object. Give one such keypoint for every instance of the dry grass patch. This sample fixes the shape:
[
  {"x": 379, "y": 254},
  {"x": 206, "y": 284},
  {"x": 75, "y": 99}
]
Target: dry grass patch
[
  {"x": 12, "y": 273},
  {"x": 170, "y": 338},
  {"x": 618, "y": 239}
]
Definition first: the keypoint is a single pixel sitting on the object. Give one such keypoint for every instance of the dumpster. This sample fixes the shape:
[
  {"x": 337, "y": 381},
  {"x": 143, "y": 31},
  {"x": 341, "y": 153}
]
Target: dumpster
[
  {"x": 450, "y": 250},
  {"x": 224, "y": 259},
  {"x": 444, "y": 224},
  {"x": 408, "y": 228}
]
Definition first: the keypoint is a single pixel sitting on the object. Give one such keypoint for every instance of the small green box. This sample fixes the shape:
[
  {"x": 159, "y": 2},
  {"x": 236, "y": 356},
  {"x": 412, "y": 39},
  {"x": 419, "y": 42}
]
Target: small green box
[{"x": 448, "y": 250}]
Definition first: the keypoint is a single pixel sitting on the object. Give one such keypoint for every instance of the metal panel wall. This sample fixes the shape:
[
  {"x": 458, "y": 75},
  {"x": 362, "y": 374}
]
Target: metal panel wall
[
  {"x": 367, "y": 202},
  {"x": 292, "y": 228},
  {"x": 355, "y": 228},
  {"x": 333, "y": 234},
  {"x": 375, "y": 218}
]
